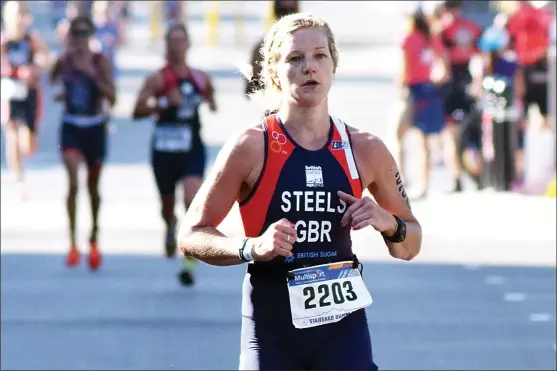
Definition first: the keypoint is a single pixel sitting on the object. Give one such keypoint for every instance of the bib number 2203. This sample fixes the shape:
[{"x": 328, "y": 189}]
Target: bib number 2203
[{"x": 326, "y": 293}]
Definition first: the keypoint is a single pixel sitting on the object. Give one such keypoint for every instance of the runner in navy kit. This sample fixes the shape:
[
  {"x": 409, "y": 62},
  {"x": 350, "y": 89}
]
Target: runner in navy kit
[
  {"x": 298, "y": 178},
  {"x": 88, "y": 83},
  {"x": 174, "y": 93}
]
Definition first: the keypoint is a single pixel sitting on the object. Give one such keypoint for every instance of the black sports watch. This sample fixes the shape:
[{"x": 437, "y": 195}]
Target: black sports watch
[{"x": 400, "y": 234}]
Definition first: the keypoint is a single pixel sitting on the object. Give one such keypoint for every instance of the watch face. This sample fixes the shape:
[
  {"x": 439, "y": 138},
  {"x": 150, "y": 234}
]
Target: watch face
[
  {"x": 401, "y": 233},
  {"x": 403, "y": 230}
]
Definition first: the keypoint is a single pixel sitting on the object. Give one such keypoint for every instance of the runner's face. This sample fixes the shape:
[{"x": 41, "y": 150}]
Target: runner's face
[
  {"x": 79, "y": 36},
  {"x": 305, "y": 56},
  {"x": 178, "y": 43}
]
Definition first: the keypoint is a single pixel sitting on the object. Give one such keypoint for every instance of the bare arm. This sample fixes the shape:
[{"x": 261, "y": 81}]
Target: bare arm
[
  {"x": 385, "y": 184},
  {"x": 444, "y": 61},
  {"x": 55, "y": 71},
  {"x": 106, "y": 83},
  {"x": 6, "y": 70},
  {"x": 146, "y": 104},
  {"x": 198, "y": 236},
  {"x": 210, "y": 93},
  {"x": 42, "y": 56},
  {"x": 519, "y": 83},
  {"x": 62, "y": 30},
  {"x": 404, "y": 66}
]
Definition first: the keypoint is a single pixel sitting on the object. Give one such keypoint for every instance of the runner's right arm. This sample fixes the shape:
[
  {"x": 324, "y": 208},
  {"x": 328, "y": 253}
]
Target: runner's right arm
[
  {"x": 55, "y": 71},
  {"x": 234, "y": 173},
  {"x": 198, "y": 236},
  {"x": 54, "y": 75},
  {"x": 147, "y": 104},
  {"x": 6, "y": 70}
]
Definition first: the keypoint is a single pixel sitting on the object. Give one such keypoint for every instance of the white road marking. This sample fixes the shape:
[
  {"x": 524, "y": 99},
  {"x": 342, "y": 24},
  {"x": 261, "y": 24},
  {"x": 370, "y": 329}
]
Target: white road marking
[
  {"x": 515, "y": 296},
  {"x": 540, "y": 317},
  {"x": 494, "y": 280}
]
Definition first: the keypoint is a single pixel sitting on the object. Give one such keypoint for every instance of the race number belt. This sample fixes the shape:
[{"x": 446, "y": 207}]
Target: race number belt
[
  {"x": 13, "y": 89},
  {"x": 173, "y": 138},
  {"x": 326, "y": 293}
]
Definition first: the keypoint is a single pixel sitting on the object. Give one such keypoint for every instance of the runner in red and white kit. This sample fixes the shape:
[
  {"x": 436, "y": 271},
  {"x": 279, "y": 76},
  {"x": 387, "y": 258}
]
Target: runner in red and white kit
[{"x": 174, "y": 94}]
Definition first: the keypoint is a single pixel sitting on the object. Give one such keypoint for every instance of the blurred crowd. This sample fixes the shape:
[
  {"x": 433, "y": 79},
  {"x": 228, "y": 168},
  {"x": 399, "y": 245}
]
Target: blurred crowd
[{"x": 451, "y": 66}]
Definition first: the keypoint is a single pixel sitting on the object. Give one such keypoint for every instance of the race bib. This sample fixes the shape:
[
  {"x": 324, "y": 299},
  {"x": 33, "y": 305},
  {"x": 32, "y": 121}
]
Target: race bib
[
  {"x": 326, "y": 293},
  {"x": 173, "y": 138},
  {"x": 14, "y": 89}
]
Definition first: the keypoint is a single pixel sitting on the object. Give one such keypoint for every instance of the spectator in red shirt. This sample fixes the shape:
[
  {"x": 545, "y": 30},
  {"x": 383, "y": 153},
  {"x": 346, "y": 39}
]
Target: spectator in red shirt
[
  {"x": 528, "y": 28},
  {"x": 424, "y": 69}
]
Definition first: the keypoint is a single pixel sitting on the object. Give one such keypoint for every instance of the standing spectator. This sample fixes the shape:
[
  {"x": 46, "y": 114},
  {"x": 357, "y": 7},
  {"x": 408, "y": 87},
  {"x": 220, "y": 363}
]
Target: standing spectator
[
  {"x": 424, "y": 69},
  {"x": 528, "y": 28},
  {"x": 460, "y": 37}
]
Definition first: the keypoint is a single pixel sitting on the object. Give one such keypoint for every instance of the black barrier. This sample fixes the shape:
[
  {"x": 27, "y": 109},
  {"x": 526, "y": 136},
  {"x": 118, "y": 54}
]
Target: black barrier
[{"x": 499, "y": 133}]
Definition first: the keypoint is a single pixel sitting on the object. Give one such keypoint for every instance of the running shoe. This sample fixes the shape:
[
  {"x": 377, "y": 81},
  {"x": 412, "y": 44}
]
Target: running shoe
[
  {"x": 95, "y": 257},
  {"x": 188, "y": 271},
  {"x": 72, "y": 259}
]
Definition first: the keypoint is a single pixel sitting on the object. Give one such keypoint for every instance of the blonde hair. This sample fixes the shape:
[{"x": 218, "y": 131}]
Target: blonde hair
[
  {"x": 12, "y": 10},
  {"x": 270, "y": 53}
]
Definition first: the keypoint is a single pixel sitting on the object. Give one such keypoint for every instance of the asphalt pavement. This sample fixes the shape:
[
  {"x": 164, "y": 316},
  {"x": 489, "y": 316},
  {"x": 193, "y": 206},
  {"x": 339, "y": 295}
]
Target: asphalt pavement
[{"x": 481, "y": 295}]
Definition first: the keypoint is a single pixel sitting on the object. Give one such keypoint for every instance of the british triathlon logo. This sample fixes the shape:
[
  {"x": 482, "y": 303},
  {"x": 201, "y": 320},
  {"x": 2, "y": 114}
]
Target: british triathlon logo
[
  {"x": 278, "y": 141},
  {"x": 309, "y": 276},
  {"x": 314, "y": 177},
  {"x": 340, "y": 144}
]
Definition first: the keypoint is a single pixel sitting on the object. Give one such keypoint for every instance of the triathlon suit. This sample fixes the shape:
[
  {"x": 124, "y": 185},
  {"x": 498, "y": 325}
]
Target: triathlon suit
[
  {"x": 177, "y": 149},
  {"x": 84, "y": 123},
  {"x": 301, "y": 185},
  {"x": 23, "y": 100}
]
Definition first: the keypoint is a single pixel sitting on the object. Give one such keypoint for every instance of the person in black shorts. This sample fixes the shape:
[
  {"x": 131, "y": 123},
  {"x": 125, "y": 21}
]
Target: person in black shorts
[
  {"x": 298, "y": 178},
  {"x": 529, "y": 29},
  {"x": 88, "y": 84},
  {"x": 460, "y": 37},
  {"x": 24, "y": 55},
  {"x": 174, "y": 94},
  {"x": 536, "y": 78}
]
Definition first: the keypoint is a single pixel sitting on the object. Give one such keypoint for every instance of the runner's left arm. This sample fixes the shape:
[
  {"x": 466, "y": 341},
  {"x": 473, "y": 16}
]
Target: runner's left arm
[
  {"x": 106, "y": 80},
  {"x": 42, "y": 56},
  {"x": 385, "y": 185},
  {"x": 210, "y": 93}
]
